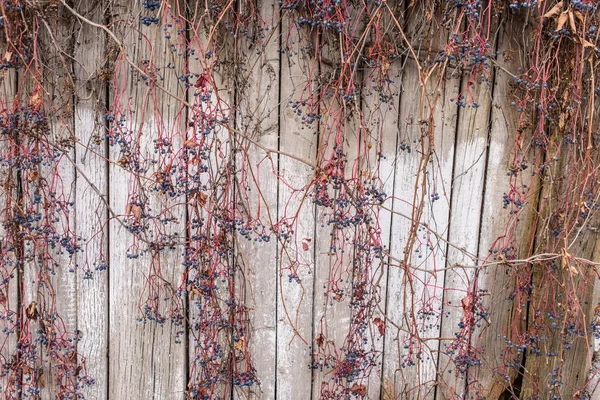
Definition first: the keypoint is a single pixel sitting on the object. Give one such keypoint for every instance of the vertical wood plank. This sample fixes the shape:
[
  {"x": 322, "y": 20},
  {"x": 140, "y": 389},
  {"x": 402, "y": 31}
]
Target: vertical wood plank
[
  {"x": 468, "y": 179},
  {"x": 48, "y": 186},
  {"x": 297, "y": 266},
  {"x": 211, "y": 257},
  {"x": 499, "y": 228},
  {"x": 145, "y": 358},
  {"x": 415, "y": 285},
  {"x": 338, "y": 159},
  {"x": 91, "y": 196},
  {"x": 381, "y": 100},
  {"x": 9, "y": 273},
  {"x": 257, "y": 111}
]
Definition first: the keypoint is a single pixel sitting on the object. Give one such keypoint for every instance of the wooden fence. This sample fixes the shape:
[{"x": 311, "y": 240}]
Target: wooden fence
[{"x": 416, "y": 279}]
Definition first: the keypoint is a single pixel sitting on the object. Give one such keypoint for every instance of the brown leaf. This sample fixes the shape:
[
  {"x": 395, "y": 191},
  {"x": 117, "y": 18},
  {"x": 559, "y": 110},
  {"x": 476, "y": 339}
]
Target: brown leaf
[
  {"x": 466, "y": 303},
  {"x": 562, "y": 20},
  {"x": 41, "y": 379},
  {"x": 554, "y": 11},
  {"x": 33, "y": 175},
  {"x": 2, "y": 298},
  {"x": 380, "y": 325},
  {"x": 239, "y": 344},
  {"x": 305, "y": 246},
  {"x": 201, "y": 199},
  {"x": 31, "y": 310},
  {"x": 320, "y": 339},
  {"x": 358, "y": 390},
  {"x": 572, "y": 22},
  {"x": 133, "y": 209},
  {"x": 7, "y": 56},
  {"x": 36, "y": 99}
]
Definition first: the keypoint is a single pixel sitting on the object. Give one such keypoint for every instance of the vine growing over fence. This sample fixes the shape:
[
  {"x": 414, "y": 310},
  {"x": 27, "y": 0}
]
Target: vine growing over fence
[{"x": 198, "y": 180}]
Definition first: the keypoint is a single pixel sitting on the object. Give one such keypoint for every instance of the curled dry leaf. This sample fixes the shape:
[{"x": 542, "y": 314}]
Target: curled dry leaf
[
  {"x": 41, "y": 379},
  {"x": 320, "y": 339},
  {"x": 562, "y": 20},
  {"x": 201, "y": 199},
  {"x": 466, "y": 303},
  {"x": 380, "y": 325},
  {"x": 133, "y": 209},
  {"x": 554, "y": 11},
  {"x": 358, "y": 390},
  {"x": 239, "y": 344},
  {"x": 31, "y": 311}
]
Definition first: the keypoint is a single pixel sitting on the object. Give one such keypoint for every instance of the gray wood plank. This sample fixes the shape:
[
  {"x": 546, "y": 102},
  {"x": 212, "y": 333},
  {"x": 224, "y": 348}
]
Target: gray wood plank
[
  {"x": 9, "y": 271},
  {"x": 145, "y": 358},
  {"x": 91, "y": 195},
  {"x": 297, "y": 265},
  {"x": 211, "y": 197},
  {"x": 257, "y": 118},
  {"x": 427, "y": 122}
]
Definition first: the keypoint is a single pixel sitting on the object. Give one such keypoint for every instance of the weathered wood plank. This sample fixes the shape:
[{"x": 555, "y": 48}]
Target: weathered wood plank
[
  {"x": 48, "y": 195},
  {"x": 468, "y": 179},
  {"x": 338, "y": 160},
  {"x": 500, "y": 227},
  {"x": 9, "y": 272},
  {"x": 145, "y": 359},
  {"x": 257, "y": 117},
  {"x": 211, "y": 197},
  {"x": 427, "y": 123},
  {"x": 297, "y": 265},
  {"x": 91, "y": 195},
  {"x": 380, "y": 103}
]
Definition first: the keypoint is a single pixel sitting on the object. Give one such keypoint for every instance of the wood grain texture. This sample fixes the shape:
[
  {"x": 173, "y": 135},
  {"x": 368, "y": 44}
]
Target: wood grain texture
[
  {"x": 91, "y": 195},
  {"x": 9, "y": 271},
  {"x": 506, "y": 316},
  {"x": 145, "y": 360},
  {"x": 468, "y": 183},
  {"x": 213, "y": 184},
  {"x": 297, "y": 265},
  {"x": 380, "y": 104},
  {"x": 49, "y": 274},
  {"x": 258, "y": 117},
  {"x": 422, "y": 191}
]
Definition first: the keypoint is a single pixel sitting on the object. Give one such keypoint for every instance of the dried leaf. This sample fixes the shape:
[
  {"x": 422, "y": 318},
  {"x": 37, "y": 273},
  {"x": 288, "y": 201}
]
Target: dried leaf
[
  {"x": 554, "y": 11},
  {"x": 2, "y": 298},
  {"x": 31, "y": 310},
  {"x": 572, "y": 22},
  {"x": 135, "y": 210},
  {"x": 305, "y": 246},
  {"x": 380, "y": 325},
  {"x": 41, "y": 379},
  {"x": 201, "y": 199},
  {"x": 33, "y": 176},
  {"x": 466, "y": 303},
  {"x": 586, "y": 43},
  {"x": 239, "y": 344},
  {"x": 7, "y": 56},
  {"x": 562, "y": 20},
  {"x": 36, "y": 98},
  {"x": 358, "y": 390},
  {"x": 320, "y": 339}
]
